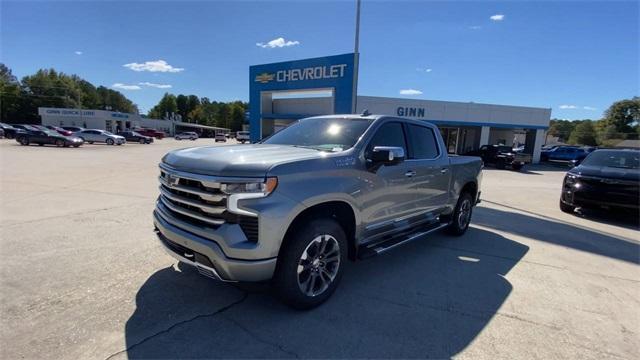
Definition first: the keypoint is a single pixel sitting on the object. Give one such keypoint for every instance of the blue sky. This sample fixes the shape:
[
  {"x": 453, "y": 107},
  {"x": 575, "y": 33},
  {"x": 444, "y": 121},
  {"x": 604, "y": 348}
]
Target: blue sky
[{"x": 574, "y": 57}]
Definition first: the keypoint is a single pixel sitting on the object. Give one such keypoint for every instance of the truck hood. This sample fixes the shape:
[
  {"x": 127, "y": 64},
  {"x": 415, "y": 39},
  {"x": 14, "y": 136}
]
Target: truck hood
[
  {"x": 236, "y": 160},
  {"x": 607, "y": 172}
]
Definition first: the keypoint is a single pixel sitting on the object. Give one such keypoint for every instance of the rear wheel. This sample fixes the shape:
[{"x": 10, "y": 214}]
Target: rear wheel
[
  {"x": 310, "y": 263},
  {"x": 24, "y": 141},
  {"x": 461, "y": 215},
  {"x": 110, "y": 141},
  {"x": 566, "y": 207}
]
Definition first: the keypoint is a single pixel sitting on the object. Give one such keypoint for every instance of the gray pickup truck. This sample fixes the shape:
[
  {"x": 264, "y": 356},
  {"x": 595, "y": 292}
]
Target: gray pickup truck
[{"x": 294, "y": 207}]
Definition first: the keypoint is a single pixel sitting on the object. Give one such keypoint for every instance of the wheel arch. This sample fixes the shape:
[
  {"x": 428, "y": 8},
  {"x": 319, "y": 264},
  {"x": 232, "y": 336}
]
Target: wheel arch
[{"x": 339, "y": 210}]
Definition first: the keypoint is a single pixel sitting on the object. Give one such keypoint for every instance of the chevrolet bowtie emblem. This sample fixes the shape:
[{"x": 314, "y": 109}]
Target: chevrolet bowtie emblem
[{"x": 264, "y": 78}]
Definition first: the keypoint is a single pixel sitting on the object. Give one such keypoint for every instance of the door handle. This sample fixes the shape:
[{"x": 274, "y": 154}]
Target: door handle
[
  {"x": 444, "y": 170},
  {"x": 410, "y": 173}
]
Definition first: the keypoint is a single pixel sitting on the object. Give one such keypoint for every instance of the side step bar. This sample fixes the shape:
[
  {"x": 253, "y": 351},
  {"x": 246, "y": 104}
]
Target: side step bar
[{"x": 382, "y": 247}]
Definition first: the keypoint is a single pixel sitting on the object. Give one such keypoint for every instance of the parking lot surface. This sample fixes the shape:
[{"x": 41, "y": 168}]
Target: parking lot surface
[{"x": 83, "y": 276}]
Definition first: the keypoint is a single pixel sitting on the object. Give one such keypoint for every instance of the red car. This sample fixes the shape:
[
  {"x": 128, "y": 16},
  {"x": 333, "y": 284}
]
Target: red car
[
  {"x": 151, "y": 132},
  {"x": 60, "y": 130}
]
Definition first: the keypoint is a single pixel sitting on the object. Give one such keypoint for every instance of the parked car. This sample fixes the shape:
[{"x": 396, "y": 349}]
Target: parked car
[
  {"x": 1, "y": 133},
  {"x": 134, "y": 136},
  {"x": 300, "y": 203},
  {"x": 151, "y": 132},
  {"x": 9, "y": 131},
  {"x": 186, "y": 135},
  {"x": 242, "y": 136},
  {"x": 95, "y": 135},
  {"x": 221, "y": 138},
  {"x": 60, "y": 130},
  {"x": 73, "y": 129},
  {"x": 501, "y": 156},
  {"x": 25, "y": 127},
  {"x": 564, "y": 153},
  {"x": 607, "y": 178},
  {"x": 47, "y": 137}
]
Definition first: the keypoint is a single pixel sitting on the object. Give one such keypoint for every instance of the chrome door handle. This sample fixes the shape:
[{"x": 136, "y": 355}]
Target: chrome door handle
[
  {"x": 410, "y": 173},
  {"x": 444, "y": 170}
]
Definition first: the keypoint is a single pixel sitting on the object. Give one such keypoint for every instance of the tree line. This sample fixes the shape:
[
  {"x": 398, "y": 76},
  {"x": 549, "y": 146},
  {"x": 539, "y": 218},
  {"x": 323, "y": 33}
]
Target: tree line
[
  {"x": 20, "y": 99},
  {"x": 620, "y": 122},
  {"x": 201, "y": 111}
]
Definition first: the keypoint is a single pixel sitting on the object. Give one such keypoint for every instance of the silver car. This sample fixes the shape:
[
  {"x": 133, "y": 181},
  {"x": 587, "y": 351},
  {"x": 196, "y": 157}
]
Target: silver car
[{"x": 102, "y": 136}]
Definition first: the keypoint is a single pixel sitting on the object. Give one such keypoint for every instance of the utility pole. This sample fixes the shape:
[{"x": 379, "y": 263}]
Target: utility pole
[{"x": 356, "y": 61}]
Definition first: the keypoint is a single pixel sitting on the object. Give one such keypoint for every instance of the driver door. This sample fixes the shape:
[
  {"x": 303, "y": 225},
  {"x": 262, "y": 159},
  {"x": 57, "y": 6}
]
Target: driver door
[{"x": 389, "y": 194}]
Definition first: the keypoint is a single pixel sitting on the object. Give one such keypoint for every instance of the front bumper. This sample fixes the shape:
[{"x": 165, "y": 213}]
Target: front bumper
[
  {"x": 598, "y": 193},
  {"x": 208, "y": 257}
]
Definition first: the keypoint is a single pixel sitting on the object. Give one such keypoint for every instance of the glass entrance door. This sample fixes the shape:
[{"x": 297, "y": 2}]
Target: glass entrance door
[{"x": 450, "y": 137}]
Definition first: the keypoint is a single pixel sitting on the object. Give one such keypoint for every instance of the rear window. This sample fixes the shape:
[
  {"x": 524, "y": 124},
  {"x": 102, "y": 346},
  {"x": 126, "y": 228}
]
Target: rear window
[{"x": 422, "y": 142}]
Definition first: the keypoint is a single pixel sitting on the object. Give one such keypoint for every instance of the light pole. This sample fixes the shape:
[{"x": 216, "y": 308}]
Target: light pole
[{"x": 356, "y": 60}]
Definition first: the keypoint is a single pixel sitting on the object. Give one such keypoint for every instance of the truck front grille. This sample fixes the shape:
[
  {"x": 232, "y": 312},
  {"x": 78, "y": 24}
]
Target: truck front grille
[{"x": 199, "y": 201}]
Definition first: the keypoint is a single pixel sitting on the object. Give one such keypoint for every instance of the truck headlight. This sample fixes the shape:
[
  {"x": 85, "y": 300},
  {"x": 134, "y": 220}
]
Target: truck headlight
[
  {"x": 571, "y": 180},
  {"x": 247, "y": 190},
  {"x": 258, "y": 187}
]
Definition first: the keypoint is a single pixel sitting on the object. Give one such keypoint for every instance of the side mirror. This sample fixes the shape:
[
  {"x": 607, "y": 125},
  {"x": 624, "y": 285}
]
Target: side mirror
[
  {"x": 574, "y": 163},
  {"x": 386, "y": 155}
]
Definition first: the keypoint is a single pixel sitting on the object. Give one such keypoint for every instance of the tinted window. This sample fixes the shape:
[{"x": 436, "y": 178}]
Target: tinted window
[
  {"x": 423, "y": 142},
  {"x": 389, "y": 134}
]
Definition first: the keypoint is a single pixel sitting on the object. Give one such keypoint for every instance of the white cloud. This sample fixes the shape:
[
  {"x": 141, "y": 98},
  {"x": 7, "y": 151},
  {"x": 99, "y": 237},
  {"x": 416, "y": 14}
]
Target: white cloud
[
  {"x": 565, "y": 107},
  {"x": 77, "y": 52},
  {"x": 428, "y": 70},
  {"x": 278, "y": 43},
  {"x": 159, "y": 86},
  {"x": 122, "y": 86},
  {"x": 475, "y": 27},
  {"x": 410, "y": 92},
  {"x": 497, "y": 17},
  {"x": 590, "y": 108},
  {"x": 153, "y": 66}
]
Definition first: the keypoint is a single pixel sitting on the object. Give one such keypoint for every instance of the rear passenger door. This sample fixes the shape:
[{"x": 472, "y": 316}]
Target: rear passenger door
[{"x": 431, "y": 167}]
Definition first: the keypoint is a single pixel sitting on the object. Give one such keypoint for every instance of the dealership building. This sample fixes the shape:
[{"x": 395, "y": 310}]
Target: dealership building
[
  {"x": 116, "y": 121},
  {"x": 284, "y": 92}
]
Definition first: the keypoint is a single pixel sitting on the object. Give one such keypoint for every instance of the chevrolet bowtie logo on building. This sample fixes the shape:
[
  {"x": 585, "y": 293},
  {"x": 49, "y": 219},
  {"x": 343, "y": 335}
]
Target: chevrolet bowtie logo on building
[{"x": 264, "y": 78}]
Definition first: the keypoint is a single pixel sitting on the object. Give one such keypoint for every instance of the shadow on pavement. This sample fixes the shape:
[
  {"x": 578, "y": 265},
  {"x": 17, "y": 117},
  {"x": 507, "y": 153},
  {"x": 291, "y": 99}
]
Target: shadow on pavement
[
  {"x": 560, "y": 233},
  {"x": 430, "y": 298}
]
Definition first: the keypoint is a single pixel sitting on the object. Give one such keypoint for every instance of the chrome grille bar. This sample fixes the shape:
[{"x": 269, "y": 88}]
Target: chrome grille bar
[
  {"x": 214, "y": 210},
  {"x": 167, "y": 203},
  {"x": 202, "y": 194}
]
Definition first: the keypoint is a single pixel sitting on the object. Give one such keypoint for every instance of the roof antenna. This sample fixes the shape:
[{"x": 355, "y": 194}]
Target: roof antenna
[{"x": 365, "y": 113}]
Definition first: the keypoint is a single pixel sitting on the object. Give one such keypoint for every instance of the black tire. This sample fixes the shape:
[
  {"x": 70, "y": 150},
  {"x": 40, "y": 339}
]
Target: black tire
[
  {"x": 143, "y": 141},
  {"x": 9, "y": 136},
  {"x": 24, "y": 141},
  {"x": 110, "y": 141},
  {"x": 500, "y": 164},
  {"x": 516, "y": 167},
  {"x": 305, "y": 242},
  {"x": 76, "y": 146},
  {"x": 566, "y": 208},
  {"x": 460, "y": 222},
  {"x": 90, "y": 142},
  {"x": 60, "y": 143},
  {"x": 178, "y": 138}
]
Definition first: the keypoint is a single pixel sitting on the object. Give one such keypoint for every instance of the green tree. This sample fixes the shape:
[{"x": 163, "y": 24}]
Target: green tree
[
  {"x": 223, "y": 116},
  {"x": 584, "y": 134},
  {"x": 237, "y": 117},
  {"x": 11, "y": 97},
  {"x": 166, "y": 107},
  {"x": 624, "y": 115},
  {"x": 561, "y": 128}
]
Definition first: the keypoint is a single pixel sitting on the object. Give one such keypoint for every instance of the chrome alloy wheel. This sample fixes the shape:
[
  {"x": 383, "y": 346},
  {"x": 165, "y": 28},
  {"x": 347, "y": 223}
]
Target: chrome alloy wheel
[
  {"x": 318, "y": 265},
  {"x": 464, "y": 214}
]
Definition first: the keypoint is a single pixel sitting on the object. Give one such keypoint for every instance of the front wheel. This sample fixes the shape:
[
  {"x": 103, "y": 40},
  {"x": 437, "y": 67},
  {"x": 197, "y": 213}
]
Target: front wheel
[
  {"x": 461, "y": 215},
  {"x": 310, "y": 263},
  {"x": 110, "y": 142},
  {"x": 24, "y": 141}
]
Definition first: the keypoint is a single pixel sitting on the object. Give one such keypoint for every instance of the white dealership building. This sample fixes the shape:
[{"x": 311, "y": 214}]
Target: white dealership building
[{"x": 116, "y": 121}]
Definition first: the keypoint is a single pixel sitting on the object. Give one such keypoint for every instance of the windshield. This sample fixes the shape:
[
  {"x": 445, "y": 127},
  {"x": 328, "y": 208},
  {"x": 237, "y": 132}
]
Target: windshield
[
  {"x": 329, "y": 134},
  {"x": 615, "y": 159}
]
